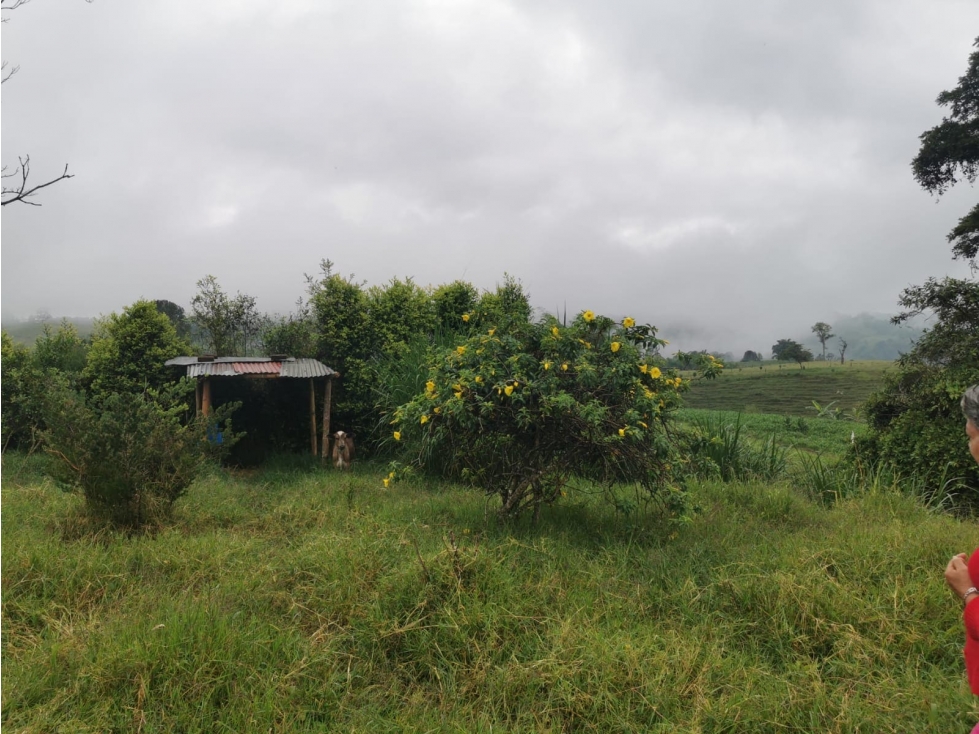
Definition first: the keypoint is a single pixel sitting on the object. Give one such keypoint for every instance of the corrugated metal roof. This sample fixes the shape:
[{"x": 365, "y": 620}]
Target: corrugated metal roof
[
  {"x": 305, "y": 368},
  {"x": 257, "y": 368},
  {"x": 232, "y": 366}
]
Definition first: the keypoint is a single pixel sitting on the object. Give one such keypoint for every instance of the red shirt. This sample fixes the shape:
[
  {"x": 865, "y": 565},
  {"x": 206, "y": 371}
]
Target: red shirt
[{"x": 971, "y": 618}]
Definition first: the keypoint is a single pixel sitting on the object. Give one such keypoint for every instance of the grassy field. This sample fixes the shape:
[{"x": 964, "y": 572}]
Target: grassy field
[
  {"x": 294, "y": 599},
  {"x": 786, "y": 389},
  {"x": 810, "y": 434}
]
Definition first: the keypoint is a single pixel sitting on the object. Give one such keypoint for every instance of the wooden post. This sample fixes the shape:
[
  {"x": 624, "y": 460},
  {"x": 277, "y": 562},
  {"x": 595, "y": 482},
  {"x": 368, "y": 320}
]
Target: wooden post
[
  {"x": 206, "y": 396},
  {"x": 197, "y": 396},
  {"x": 327, "y": 398},
  {"x": 312, "y": 414}
]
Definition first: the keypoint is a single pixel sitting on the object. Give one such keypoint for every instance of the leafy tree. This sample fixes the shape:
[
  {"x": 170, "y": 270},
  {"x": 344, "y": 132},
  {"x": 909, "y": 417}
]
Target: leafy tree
[
  {"x": 843, "y": 346},
  {"x": 916, "y": 425},
  {"x": 455, "y": 304},
  {"x": 344, "y": 341},
  {"x": 177, "y": 316},
  {"x": 129, "y": 350},
  {"x": 786, "y": 350},
  {"x": 61, "y": 350},
  {"x": 751, "y": 356},
  {"x": 950, "y": 151},
  {"x": 226, "y": 326},
  {"x": 518, "y": 411},
  {"x": 398, "y": 312},
  {"x": 24, "y": 385},
  {"x": 508, "y": 304},
  {"x": 294, "y": 334},
  {"x": 823, "y": 332},
  {"x": 28, "y": 374}
]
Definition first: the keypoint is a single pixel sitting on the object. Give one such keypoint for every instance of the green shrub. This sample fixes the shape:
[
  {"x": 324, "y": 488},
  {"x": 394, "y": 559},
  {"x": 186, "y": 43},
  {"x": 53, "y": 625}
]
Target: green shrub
[
  {"x": 916, "y": 424},
  {"x": 518, "y": 412},
  {"x": 131, "y": 455},
  {"x": 27, "y": 374}
]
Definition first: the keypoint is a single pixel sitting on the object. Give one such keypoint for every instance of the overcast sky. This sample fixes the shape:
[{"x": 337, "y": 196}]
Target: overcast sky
[{"x": 732, "y": 171}]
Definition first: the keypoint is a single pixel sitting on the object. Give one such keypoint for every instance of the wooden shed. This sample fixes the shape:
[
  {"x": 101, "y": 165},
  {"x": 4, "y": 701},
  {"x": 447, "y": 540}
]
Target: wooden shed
[{"x": 204, "y": 369}]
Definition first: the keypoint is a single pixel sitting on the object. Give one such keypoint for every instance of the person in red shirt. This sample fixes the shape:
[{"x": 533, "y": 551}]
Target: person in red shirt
[{"x": 962, "y": 573}]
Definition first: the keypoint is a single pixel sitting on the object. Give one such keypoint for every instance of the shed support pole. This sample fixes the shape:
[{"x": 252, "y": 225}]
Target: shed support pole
[
  {"x": 327, "y": 398},
  {"x": 206, "y": 396},
  {"x": 312, "y": 414},
  {"x": 197, "y": 397}
]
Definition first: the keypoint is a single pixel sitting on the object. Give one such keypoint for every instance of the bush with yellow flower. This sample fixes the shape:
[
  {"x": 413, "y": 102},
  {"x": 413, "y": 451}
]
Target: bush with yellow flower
[{"x": 517, "y": 411}]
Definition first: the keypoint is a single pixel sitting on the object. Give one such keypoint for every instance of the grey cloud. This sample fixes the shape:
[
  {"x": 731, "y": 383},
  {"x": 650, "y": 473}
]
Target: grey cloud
[{"x": 732, "y": 173}]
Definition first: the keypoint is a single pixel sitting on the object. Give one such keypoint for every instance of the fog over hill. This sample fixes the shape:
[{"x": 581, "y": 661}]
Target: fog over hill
[{"x": 868, "y": 336}]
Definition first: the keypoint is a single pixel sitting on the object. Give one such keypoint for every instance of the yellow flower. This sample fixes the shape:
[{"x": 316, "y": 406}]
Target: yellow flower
[
  {"x": 555, "y": 331},
  {"x": 461, "y": 350},
  {"x": 492, "y": 331},
  {"x": 547, "y": 365},
  {"x": 665, "y": 342},
  {"x": 436, "y": 410},
  {"x": 397, "y": 435},
  {"x": 588, "y": 316},
  {"x": 516, "y": 384},
  {"x": 465, "y": 317},
  {"x": 424, "y": 419},
  {"x": 391, "y": 475},
  {"x": 564, "y": 366},
  {"x": 429, "y": 386},
  {"x": 508, "y": 390},
  {"x": 622, "y": 432},
  {"x": 457, "y": 387},
  {"x": 615, "y": 346},
  {"x": 628, "y": 322},
  {"x": 654, "y": 372},
  {"x": 479, "y": 378},
  {"x": 644, "y": 368},
  {"x": 387, "y": 483},
  {"x": 642, "y": 424},
  {"x": 649, "y": 393}
]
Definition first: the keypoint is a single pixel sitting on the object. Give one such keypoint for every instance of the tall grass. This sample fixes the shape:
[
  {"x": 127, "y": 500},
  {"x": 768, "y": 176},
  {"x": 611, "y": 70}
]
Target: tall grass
[
  {"x": 831, "y": 480},
  {"x": 296, "y": 599},
  {"x": 719, "y": 446}
]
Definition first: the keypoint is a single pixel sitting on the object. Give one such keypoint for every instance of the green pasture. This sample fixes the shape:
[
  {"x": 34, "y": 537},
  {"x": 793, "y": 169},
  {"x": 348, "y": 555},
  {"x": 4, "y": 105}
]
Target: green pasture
[
  {"x": 810, "y": 434},
  {"x": 787, "y": 389},
  {"x": 294, "y": 599}
]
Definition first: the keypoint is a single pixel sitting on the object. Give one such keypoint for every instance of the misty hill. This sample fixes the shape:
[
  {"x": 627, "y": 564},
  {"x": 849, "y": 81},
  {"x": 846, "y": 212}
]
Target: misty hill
[
  {"x": 868, "y": 336},
  {"x": 27, "y": 332}
]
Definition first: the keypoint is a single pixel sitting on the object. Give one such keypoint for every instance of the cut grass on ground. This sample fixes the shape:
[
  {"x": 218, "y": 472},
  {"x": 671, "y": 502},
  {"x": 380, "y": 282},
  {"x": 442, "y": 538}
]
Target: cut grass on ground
[
  {"x": 786, "y": 389},
  {"x": 294, "y": 599}
]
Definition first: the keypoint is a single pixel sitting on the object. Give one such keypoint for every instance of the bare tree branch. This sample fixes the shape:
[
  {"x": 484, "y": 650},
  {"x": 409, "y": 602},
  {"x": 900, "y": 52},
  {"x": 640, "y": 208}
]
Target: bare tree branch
[
  {"x": 9, "y": 74},
  {"x": 21, "y": 192}
]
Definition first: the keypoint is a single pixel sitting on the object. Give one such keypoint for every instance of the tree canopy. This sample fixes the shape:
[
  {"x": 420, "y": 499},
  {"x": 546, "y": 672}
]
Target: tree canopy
[
  {"x": 950, "y": 152},
  {"x": 789, "y": 350}
]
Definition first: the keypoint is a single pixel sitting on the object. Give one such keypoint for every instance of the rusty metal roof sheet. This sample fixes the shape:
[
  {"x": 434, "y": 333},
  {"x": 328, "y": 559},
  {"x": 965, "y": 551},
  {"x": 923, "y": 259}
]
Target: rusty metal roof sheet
[{"x": 234, "y": 366}]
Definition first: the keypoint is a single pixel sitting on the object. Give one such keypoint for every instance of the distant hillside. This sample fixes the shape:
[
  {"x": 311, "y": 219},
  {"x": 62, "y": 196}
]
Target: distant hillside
[
  {"x": 27, "y": 332},
  {"x": 868, "y": 336}
]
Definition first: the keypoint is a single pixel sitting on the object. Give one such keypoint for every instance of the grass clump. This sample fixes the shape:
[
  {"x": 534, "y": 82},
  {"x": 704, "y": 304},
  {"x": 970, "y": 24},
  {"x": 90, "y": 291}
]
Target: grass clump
[{"x": 299, "y": 600}]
